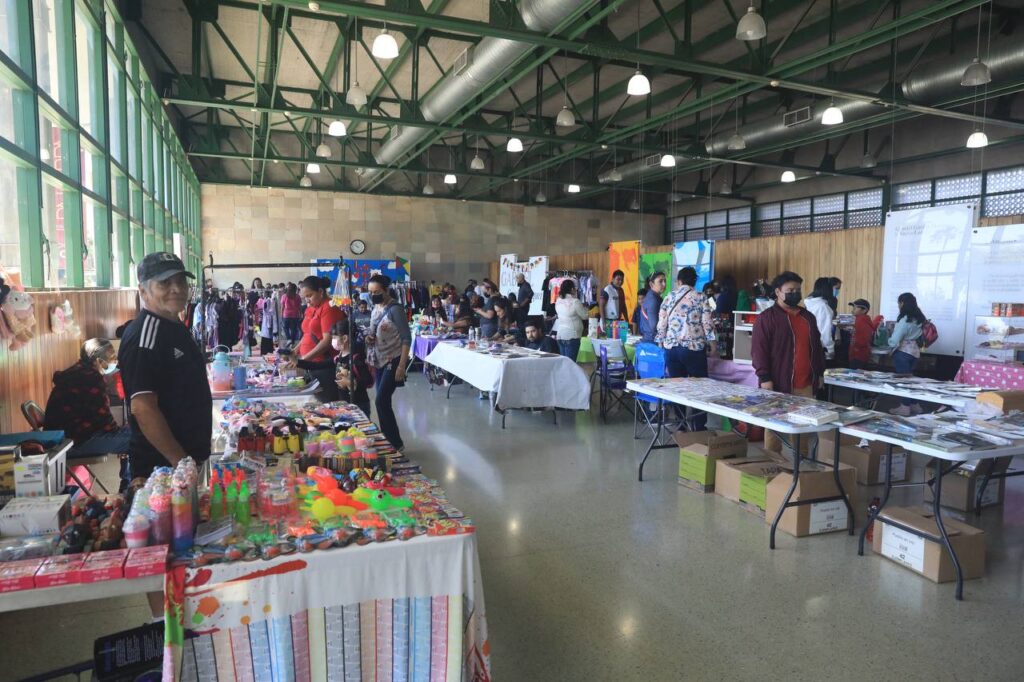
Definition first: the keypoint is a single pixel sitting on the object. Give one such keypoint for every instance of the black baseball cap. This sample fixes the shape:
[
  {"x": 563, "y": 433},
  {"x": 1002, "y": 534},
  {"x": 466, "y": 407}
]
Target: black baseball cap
[
  {"x": 159, "y": 266},
  {"x": 861, "y": 303}
]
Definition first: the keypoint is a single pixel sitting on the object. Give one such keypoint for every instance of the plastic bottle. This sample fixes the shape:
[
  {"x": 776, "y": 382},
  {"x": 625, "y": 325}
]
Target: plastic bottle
[
  {"x": 872, "y": 508},
  {"x": 181, "y": 510},
  {"x": 220, "y": 372},
  {"x": 216, "y": 502},
  {"x": 160, "y": 524},
  {"x": 136, "y": 531},
  {"x": 242, "y": 513},
  {"x": 231, "y": 498}
]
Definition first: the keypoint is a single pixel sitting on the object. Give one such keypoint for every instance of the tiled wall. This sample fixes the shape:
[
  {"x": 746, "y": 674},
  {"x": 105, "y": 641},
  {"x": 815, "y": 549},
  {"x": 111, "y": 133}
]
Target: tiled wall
[{"x": 443, "y": 239}]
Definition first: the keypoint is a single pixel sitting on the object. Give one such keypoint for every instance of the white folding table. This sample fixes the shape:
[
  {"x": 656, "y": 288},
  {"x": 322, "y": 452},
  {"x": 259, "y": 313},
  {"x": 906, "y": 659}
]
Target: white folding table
[{"x": 924, "y": 396}]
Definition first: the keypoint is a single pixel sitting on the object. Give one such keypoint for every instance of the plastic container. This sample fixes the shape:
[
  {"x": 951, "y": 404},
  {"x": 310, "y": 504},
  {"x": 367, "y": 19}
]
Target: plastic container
[{"x": 220, "y": 372}]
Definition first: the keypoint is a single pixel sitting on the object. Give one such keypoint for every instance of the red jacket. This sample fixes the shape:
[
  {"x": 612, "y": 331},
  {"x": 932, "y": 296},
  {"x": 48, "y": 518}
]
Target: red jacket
[
  {"x": 772, "y": 348},
  {"x": 863, "y": 332},
  {"x": 78, "y": 404}
]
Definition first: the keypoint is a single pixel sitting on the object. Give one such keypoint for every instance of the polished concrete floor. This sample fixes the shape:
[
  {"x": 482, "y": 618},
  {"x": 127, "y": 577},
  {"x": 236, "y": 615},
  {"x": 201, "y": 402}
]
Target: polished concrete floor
[{"x": 590, "y": 575}]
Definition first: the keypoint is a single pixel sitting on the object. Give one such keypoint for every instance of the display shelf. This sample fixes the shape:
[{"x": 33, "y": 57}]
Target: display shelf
[{"x": 66, "y": 594}]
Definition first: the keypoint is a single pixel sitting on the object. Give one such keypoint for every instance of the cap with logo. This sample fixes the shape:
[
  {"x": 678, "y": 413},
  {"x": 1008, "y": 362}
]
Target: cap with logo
[
  {"x": 161, "y": 265},
  {"x": 861, "y": 303}
]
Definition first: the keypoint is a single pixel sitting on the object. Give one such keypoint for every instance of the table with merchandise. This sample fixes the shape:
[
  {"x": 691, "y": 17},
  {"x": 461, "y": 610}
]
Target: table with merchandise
[
  {"x": 948, "y": 393},
  {"x": 902, "y": 534}
]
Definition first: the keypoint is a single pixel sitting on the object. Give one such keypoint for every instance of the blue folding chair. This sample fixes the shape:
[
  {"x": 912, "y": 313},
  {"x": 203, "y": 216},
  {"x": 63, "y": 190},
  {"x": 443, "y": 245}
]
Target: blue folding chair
[
  {"x": 649, "y": 363},
  {"x": 613, "y": 375}
]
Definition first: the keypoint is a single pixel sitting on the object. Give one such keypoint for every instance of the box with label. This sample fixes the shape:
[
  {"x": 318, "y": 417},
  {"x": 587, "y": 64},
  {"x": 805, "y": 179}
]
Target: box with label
[
  {"x": 34, "y": 515},
  {"x": 698, "y": 452},
  {"x": 60, "y": 570},
  {"x": 19, "y": 575},
  {"x": 869, "y": 462},
  {"x": 42, "y": 475},
  {"x": 960, "y": 486},
  {"x": 925, "y": 556},
  {"x": 146, "y": 561},
  {"x": 816, "y": 481},
  {"x": 108, "y": 565},
  {"x": 745, "y": 481},
  {"x": 1007, "y": 401}
]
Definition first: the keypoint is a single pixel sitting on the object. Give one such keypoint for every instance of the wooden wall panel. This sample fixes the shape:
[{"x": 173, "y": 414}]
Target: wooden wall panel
[{"x": 27, "y": 374}]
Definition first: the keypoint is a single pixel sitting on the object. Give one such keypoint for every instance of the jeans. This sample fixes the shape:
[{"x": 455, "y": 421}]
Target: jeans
[
  {"x": 904, "y": 363},
  {"x": 386, "y": 386},
  {"x": 293, "y": 329},
  {"x": 570, "y": 348},
  {"x": 683, "y": 362}
]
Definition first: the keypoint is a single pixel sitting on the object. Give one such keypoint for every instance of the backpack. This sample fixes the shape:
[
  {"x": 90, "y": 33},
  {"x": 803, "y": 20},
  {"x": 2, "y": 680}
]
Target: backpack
[{"x": 929, "y": 334}]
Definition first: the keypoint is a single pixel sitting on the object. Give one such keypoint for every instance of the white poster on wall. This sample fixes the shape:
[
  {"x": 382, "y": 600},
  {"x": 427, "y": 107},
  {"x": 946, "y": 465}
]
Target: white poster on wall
[
  {"x": 534, "y": 269},
  {"x": 927, "y": 252},
  {"x": 997, "y": 277}
]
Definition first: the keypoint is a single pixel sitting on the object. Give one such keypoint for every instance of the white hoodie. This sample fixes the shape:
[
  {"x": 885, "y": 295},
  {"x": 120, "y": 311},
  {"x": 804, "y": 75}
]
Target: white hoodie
[
  {"x": 822, "y": 312},
  {"x": 572, "y": 315}
]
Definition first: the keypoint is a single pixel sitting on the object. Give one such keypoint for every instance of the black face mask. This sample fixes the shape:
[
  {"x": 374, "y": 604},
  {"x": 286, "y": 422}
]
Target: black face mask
[
  {"x": 377, "y": 298},
  {"x": 792, "y": 298}
]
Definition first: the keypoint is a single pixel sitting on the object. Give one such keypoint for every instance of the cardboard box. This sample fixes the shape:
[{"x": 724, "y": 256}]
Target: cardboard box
[
  {"x": 869, "y": 462},
  {"x": 108, "y": 565},
  {"x": 745, "y": 481},
  {"x": 60, "y": 570},
  {"x": 960, "y": 486},
  {"x": 1007, "y": 401},
  {"x": 34, "y": 515},
  {"x": 698, "y": 452},
  {"x": 928, "y": 557},
  {"x": 42, "y": 475},
  {"x": 146, "y": 561},
  {"x": 816, "y": 481},
  {"x": 19, "y": 575}
]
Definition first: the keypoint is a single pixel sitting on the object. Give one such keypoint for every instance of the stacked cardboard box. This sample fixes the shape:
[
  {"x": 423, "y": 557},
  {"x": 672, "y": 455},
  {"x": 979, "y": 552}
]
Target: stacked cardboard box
[
  {"x": 745, "y": 480},
  {"x": 698, "y": 453},
  {"x": 817, "y": 481},
  {"x": 869, "y": 462},
  {"x": 960, "y": 486},
  {"x": 926, "y": 556}
]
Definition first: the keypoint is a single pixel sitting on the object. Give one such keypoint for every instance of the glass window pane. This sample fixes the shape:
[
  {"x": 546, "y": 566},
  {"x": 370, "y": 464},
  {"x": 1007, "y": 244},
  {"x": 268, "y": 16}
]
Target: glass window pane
[
  {"x": 1005, "y": 204},
  {"x": 114, "y": 80},
  {"x": 739, "y": 231},
  {"x": 834, "y": 203},
  {"x": 913, "y": 193},
  {"x": 133, "y": 134},
  {"x": 54, "y": 247},
  {"x": 10, "y": 223},
  {"x": 12, "y": 16},
  {"x": 717, "y": 232},
  {"x": 800, "y": 224},
  {"x": 92, "y": 168},
  {"x": 1005, "y": 180},
  {"x": 739, "y": 215},
  {"x": 959, "y": 186},
  {"x": 13, "y": 101},
  {"x": 51, "y": 142},
  {"x": 89, "y": 75},
  {"x": 868, "y": 198},
  {"x": 796, "y": 207},
  {"x": 717, "y": 218},
  {"x": 866, "y": 218},
  {"x": 829, "y": 221},
  {"x": 92, "y": 214},
  {"x": 769, "y": 211},
  {"x": 771, "y": 227},
  {"x": 44, "y": 22},
  {"x": 693, "y": 221},
  {"x": 120, "y": 245}
]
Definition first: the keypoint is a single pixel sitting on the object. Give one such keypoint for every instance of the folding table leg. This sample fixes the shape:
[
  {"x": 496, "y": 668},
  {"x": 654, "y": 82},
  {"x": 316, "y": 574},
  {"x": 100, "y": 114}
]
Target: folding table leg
[
  {"x": 937, "y": 510},
  {"x": 881, "y": 506},
  {"x": 789, "y": 493},
  {"x": 92, "y": 474},
  {"x": 654, "y": 440},
  {"x": 839, "y": 483}
]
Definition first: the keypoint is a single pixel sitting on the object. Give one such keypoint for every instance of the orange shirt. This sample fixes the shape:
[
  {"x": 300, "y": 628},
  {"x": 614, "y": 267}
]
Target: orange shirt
[
  {"x": 317, "y": 325},
  {"x": 803, "y": 374}
]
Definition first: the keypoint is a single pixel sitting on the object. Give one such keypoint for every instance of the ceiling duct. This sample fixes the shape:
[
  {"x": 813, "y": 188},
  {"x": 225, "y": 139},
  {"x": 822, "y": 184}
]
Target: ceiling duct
[{"x": 473, "y": 71}]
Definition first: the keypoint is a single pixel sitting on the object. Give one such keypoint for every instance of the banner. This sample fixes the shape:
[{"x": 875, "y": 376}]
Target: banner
[
  {"x": 651, "y": 263},
  {"x": 699, "y": 255},
  {"x": 397, "y": 269},
  {"x": 625, "y": 256},
  {"x": 534, "y": 269}
]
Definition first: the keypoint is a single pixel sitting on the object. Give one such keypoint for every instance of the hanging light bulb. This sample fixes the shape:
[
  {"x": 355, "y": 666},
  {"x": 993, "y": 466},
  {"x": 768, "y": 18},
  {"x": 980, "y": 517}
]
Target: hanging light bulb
[
  {"x": 615, "y": 175},
  {"x": 788, "y": 176},
  {"x": 315, "y": 6},
  {"x": 573, "y": 188},
  {"x": 832, "y": 116},
  {"x": 355, "y": 96},
  {"x": 515, "y": 145},
  {"x": 541, "y": 197},
  {"x": 384, "y": 45},
  {"x": 667, "y": 161},
  {"x": 337, "y": 129},
  {"x": 736, "y": 143},
  {"x": 306, "y": 181},
  {"x": 977, "y": 140},
  {"x": 450, "y": 179},
  {"x": 751, "y": 26},
  {"x": 323, "y": 151},
  {"x": 477, "y": 163},
  {"x": 977, "y": 73},
  {"x": 428, "y": 189},
  {"x": 635, "y": 204},
  {"x": 638, "y": 85},
  {"x": 726, "y": 188},
  {"x": 868, "y": 161},
  {"x": 565, "y": 118},
  {"x": 312, "y": 168}
]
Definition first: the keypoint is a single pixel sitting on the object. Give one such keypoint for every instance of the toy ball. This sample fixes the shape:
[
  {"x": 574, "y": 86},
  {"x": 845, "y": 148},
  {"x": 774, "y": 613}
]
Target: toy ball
[
  {"x": 348, "y": 485},
  {"x": 322, "y": 509}
]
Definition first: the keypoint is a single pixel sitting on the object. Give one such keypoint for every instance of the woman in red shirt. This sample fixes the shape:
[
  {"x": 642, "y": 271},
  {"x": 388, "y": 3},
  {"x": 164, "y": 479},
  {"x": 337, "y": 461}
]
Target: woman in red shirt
[{"x": 315, "y": 345}]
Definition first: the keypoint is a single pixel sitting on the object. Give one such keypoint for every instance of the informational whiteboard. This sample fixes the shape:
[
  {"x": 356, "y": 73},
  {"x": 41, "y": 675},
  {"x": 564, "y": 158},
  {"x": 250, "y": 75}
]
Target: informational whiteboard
[
  {"x": 534, "y": 269},
  {"x": 927, "y": 252},
  {"x": 997, "y": 276}
]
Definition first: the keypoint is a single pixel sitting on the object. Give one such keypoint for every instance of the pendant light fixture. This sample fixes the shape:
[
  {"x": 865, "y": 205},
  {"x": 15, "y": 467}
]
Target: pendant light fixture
[
  {"x": 477, "y": 163},
  {"x": 635, "y": 204},
  {"x": 573, "y": 188},
  {"x": 832, "y": 116},
  {"x": 450, "y": 179},
  {"x": 514, "y": 145},
  {"x": 868, "y": 160},
  {"x": 312, "y": 168},
  {"x": 977, "y": 140},
  {"x": 788, "y": 176},
  {"x": 726, "y": 188},
  {"x": 314, "y": 6},
  {"x": 337, "y": 126},
  {"x": 615, "y": 175},
  {"x": 541, "y": 197},
  {"x": 565, "y": 118},
  {"x": 306, "y": 181},
  {"x": 638, "y": 85},
  {"x": 384, "y": 45},
  {"x": 428, "y": 189},
  {"x": 751, "y": 26},
  {"x": 667, "y": 161},
  {"x": 736, "y": 142},
  {"x": 977, "y": 72},
  {"x": 356, "y": 96},
  {"x": 323, "y": 151}
]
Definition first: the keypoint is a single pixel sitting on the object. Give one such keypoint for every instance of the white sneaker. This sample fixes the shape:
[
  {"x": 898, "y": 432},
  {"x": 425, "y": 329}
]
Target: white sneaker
[
  {"x": 901, "y": 411},
  {"x": 916, "y": 409}
]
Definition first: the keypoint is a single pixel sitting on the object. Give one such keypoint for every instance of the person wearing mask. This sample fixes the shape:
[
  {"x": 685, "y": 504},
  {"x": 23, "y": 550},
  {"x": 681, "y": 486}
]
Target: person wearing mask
[
  {"x": 786, "y": 346},
  {"x": 352, "y": 374},
  {"x": 387, "y": 341},
  {"x": 534, "y": 338},
  {"x": 650, "y": 306},
  {"x": 571, "y": 320},
  {"x": 687, "y": 333},
  {"x": 291, "y": 313},
  {"x": 837, "y": 286},
  {"x": 485, "y": 311},
  {"x": 361, "y": 317},
  {"x": 524, "y": 299},
  {"x": 315, "y": 344},
  {"x": 78, "y": 404},
  {"x": 905, "y": 341},
  {"x": 613, "y": 299},
  {"x": 819, "y": 304},
  {"x": 863, "y": 333}
]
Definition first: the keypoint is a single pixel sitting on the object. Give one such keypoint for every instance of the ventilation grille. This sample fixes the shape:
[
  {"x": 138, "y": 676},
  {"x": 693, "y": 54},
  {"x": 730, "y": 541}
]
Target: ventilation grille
[
  {"x": 796, "y": 117},
  {"x": 464, "y": 60}
]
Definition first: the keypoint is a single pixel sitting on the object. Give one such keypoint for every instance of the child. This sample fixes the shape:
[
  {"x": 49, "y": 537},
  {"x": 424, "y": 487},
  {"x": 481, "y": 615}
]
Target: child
[{"x": 863, "y": 332}]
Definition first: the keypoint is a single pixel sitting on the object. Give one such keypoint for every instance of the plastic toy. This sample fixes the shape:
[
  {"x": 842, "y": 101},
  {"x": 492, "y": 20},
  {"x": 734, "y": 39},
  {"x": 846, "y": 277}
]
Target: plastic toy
[{"x": 322, "y": 509}]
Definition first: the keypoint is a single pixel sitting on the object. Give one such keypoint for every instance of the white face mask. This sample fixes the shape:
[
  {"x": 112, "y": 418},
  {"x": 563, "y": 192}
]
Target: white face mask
[
  {"x": 110, "y": 368},
  {"x": 336, "y": 344}
]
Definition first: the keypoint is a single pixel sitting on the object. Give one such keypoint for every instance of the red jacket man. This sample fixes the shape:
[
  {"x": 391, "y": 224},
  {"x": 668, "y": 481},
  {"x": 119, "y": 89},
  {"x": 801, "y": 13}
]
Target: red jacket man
[{"x": 786, "y": 348}]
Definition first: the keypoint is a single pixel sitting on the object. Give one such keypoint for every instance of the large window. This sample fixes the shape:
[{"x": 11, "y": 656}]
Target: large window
[
  {"x": 90, "y": 176},
  {"x": 1000, "y": 191}
]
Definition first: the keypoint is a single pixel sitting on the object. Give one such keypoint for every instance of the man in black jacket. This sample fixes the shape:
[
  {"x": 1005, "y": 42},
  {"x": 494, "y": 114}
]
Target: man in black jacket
[{"x": 536, "y": 340}]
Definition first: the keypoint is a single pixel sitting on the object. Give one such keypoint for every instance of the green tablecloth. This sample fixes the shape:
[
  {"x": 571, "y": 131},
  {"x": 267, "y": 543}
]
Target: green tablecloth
[{"x": 587, "y": 354}]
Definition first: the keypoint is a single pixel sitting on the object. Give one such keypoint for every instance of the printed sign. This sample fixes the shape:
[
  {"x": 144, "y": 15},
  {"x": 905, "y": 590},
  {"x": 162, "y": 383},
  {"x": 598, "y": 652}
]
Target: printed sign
[{"x": 903, "y": 547}]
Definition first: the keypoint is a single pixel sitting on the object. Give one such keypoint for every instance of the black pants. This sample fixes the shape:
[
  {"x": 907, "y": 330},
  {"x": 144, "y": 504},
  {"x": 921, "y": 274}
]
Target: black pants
[
  {"x": 683, "y": 362},
  {"x": 386, "y": 386},
  {"x": 327, "y": 392},
  {"x": 266, "y": 346}
]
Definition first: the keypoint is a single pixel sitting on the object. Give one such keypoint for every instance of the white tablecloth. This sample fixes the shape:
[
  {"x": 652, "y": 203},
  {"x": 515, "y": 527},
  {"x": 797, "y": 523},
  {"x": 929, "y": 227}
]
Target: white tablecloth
[{"x": 535, "y": 381}]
